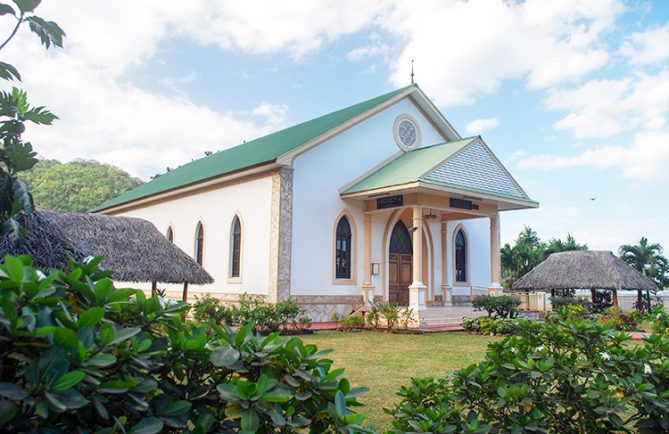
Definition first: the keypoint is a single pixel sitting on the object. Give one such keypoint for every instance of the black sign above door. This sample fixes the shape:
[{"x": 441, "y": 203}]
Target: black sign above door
[{"x": 389, "y": 202}]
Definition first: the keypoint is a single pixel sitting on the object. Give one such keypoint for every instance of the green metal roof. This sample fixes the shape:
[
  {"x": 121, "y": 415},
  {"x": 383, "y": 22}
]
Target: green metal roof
[
  {"x": 265, "y": 149},
  {"x": 410, "y": 166}
]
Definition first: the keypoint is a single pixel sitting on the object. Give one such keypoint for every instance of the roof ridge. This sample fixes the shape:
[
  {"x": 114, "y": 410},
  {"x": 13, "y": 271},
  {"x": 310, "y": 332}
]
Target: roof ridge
[{"x": 261, "y": 150}]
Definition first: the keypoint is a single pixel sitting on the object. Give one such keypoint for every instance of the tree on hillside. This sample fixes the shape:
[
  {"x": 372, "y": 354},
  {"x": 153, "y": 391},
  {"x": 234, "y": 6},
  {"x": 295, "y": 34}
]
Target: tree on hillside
[
  {"x": 529, "y": 251},
  {"x": 647, "y": 258},
  {"x": 78, "y": 185}
]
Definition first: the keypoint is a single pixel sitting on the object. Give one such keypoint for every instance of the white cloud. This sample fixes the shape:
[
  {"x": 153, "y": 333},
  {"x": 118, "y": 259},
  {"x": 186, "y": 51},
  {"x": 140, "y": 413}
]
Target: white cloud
[
  {"x": 274, "y": 113},
  {"x": 604, "y": 108},
  {"x": 647, "y": 47},
  {"x": 478, "y": 126},
  {"x": 646, "y": 159},
  {"x": 465, "y": 49}
]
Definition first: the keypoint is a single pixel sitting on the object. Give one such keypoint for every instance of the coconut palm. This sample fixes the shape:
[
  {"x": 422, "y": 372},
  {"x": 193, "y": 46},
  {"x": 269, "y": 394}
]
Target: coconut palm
[
  {"x": 557, "y": 245},
  {"x": 647, "y": 258}
]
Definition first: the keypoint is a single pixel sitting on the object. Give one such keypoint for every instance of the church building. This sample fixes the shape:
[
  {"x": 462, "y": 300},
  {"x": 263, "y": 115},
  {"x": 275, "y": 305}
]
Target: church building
[{"x": 379, "y": 201}]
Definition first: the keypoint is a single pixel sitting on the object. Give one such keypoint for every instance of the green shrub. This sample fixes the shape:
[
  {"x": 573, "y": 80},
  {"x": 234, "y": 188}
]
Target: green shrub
[
  {"x": 660, "y": 320},
  {"x": 485, "y": 325},
  {"x": 505, "y": 326},
  {"x": 391, "y": 313},
  {"x": 564, "y": 376},
  {"x": 471, "y": 325},
  {"x": 355, "y": 321},
  {"x": 497, "y": 306},
  {"x": 252, "y": 309},
  {"x": 374, "y": 316},
  {"x": 208, "y": 308},
  {"x": 407, "y": 318},
  {"x": 79, "y": 356},
  {"x": 559, "y": 302}
]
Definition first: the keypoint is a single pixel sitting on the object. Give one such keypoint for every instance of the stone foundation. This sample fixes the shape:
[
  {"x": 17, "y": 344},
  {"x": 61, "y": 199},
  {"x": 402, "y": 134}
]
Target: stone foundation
[{"x": 321, "y": 308}]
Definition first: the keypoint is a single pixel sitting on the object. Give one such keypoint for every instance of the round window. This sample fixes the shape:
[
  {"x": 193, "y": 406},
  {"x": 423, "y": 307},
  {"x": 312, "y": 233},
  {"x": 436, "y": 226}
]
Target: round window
[{"x": 406, "y": 132}]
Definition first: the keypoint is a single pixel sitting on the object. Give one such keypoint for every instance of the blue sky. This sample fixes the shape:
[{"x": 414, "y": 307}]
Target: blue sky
[{"x": 571, "y": 95}]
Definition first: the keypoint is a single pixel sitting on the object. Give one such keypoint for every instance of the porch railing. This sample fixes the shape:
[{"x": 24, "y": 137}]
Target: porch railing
[{"x": 531, "y": 301}]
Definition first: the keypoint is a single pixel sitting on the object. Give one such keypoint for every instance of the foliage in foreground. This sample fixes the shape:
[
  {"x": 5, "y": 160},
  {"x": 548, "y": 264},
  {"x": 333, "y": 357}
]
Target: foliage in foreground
[
  {"x": 17, "y": 155},
  {"x": 79, "y": 355},
  {"x": 285, "y": 316},
  {"x": 77, "y": 185},
  {"x": 564, "y": 376}
]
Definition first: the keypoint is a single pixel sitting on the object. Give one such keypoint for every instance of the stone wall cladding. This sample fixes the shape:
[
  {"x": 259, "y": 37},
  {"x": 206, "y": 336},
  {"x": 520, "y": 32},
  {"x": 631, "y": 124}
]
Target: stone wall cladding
[
  {"x": 281, "y": 235},
  {"x": 321, "y": 308}
]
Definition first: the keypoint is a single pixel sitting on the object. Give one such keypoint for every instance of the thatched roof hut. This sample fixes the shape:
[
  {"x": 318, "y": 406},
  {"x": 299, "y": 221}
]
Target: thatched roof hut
[
  {"x": 133, "y": 248},
  {"x": 584, "y": 269}
]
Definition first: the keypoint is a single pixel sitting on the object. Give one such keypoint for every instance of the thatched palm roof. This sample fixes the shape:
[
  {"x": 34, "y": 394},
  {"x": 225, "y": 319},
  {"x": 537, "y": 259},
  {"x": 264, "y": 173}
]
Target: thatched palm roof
[
  {"x": 133, "y": 248},
  {"x": 584, "y": 269}
]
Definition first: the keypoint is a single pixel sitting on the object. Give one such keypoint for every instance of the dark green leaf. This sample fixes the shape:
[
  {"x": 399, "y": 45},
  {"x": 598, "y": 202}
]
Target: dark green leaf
[
  {"x": 8, "y": 72},
  {"x": 101, "y": 360},
  {"x": 125, "y": 334},
  {"x": 27, "y": 5},
  {"x": 48, "y": 31},
  {"x": 278, "y": 394},
  {"x": 68, "y": 380},
  {"x": 176, "y": 408},
  {"x": 148, "y": 425},
  {"x": 224, "y": 356},
  {"x": 6, "y": 9},
  {"x": 7, "y": 411},
  {"x": 12, "y": 391},
  {"x": 90, "y": 317}
]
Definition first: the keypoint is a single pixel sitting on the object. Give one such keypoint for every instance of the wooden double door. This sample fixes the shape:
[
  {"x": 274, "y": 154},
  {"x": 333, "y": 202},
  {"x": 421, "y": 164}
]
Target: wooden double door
[
  {"x": 400, "y": 270},
  {"x": 400, "y": 265}
]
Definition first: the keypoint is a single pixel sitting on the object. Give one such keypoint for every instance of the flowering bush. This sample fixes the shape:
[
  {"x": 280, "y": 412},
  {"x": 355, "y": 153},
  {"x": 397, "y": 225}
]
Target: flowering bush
[
  {"x": 497, "y": 306},
  {"x": 618, "y": 319},
  {"x": 563, "y": 376},
  {"x": 660, "y": 320}
]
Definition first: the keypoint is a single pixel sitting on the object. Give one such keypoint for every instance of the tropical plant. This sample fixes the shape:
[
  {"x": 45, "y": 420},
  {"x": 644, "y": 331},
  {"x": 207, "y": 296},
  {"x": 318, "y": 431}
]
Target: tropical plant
[
  {"x": 77, "y": 185},
  {"x": 564, "y": 376},
  {"x": 16, "y": 155},
  {"x": 79, "y": 355},
  {"x": 647, "y": 258},
  {"x": 497, "y": 306},
  {"x": 353, "y": 322},
  {"x": 529, "y": 251}
]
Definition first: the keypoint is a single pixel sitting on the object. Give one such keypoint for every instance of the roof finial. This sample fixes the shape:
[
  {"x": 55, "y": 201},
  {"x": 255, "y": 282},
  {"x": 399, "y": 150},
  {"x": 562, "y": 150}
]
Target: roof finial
[{"x": 411, "y": 71}]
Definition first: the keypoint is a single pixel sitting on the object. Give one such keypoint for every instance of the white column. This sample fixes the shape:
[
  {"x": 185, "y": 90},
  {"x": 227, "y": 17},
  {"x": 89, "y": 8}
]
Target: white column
[
  {"x": 367, "y": 287},
  {"x": 417, "y": 290},
  {"x": 495, "y": 256},
  {"x": 446, "y": 289}
]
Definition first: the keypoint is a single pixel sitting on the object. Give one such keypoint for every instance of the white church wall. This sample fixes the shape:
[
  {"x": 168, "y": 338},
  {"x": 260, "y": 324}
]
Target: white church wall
[
  {"x": 318, "y": 176},
  {"x": 216, "y": 209},
  {"x": 478, "y": 241}
]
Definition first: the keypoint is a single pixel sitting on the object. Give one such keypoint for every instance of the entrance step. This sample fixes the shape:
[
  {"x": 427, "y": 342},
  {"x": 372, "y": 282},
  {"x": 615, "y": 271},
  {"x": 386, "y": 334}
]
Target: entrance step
[{"x": 446, "y": 316}]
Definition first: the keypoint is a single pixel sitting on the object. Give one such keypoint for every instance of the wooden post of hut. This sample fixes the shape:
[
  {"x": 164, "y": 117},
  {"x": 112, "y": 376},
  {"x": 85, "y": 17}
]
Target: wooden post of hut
[
  {"x": 639, "y": 300},
  {"x": 154, "y": 287},
  {"x": 615, "y": 297},
  {"x": 185, "y": 293}
]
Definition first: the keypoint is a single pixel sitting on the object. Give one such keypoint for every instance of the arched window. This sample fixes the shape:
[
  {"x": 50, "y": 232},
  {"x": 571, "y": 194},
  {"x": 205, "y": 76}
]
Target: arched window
[
  {"x": 199, "y": 243},
  {"x": 170, "y": 234},
  {"x": 343, "y": 249},
  {"x": 235, "y": 246},
  {"x": 460, "y": 256}
]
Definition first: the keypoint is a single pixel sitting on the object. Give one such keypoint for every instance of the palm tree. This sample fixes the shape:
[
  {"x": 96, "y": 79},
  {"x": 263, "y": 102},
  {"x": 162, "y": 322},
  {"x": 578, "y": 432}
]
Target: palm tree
[
  {"x": 648, "y": 260},
  {"x": 557, "y": 245}
]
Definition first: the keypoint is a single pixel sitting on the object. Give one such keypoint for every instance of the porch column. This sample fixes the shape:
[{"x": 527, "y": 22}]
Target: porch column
[
  {"x": 417, "y": 290},
  {"x": 367, "y": 287},
  {"x": 495, "y": 269},
  {"x": 445, "y": 287}
]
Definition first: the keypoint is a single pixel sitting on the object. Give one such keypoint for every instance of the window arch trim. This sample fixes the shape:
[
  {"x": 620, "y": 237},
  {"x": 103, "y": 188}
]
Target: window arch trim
[
  {"x": 353, "y": 249},
  {"x": 232, "y": 278},
  {"x": 467, "y": 269}
]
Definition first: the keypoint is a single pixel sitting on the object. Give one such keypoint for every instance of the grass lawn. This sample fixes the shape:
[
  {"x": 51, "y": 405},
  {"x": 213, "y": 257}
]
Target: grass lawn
[{"x": 384, "y": 362}]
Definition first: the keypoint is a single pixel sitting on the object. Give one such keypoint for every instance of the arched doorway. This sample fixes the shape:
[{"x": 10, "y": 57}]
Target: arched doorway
[{"x": 399, "y": 265}]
